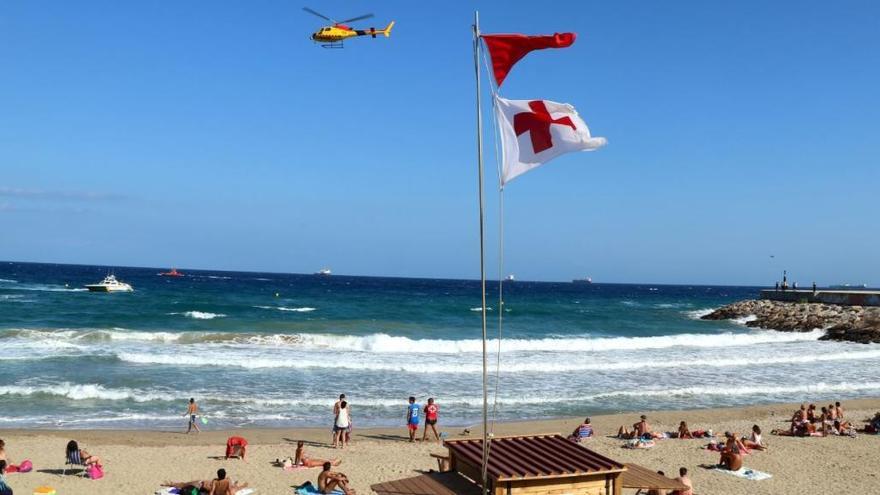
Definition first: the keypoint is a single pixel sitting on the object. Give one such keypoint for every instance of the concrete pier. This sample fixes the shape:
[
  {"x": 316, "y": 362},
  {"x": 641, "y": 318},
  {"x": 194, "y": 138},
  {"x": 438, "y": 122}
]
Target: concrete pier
[{"x": 825, "y": 296}]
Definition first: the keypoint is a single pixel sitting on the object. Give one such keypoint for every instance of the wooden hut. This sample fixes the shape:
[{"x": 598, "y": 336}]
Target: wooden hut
[{"x": 537, "y": 465}]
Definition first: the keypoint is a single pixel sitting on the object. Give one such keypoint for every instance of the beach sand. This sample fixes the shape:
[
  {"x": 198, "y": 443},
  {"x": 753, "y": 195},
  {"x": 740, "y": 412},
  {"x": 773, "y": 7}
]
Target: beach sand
[{"x": 136, "y": 462}]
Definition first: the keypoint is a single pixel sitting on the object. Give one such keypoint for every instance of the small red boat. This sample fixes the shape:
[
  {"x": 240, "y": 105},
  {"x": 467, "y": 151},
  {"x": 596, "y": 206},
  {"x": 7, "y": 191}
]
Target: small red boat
[{"x": 172, "y": 273}]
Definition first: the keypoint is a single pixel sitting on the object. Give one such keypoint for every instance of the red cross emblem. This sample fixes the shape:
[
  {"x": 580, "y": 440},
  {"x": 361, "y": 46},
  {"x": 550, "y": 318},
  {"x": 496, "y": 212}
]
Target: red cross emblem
[{"x": 537, "y": 123}]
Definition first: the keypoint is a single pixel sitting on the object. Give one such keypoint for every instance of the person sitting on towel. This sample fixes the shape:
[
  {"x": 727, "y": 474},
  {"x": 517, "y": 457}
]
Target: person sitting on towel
[
  {"x": 640, "y": 429},
  {"x": 582, "y": 432},
  {"x": 204, "y": 486},
  {"x": 329, "y": 481},
  {"x": 731, "y": 454},
  {"x": 684, "y": 431}
]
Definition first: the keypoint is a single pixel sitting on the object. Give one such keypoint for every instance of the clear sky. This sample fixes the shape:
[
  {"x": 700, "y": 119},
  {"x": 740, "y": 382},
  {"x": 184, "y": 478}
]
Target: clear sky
[{"x": 214, "y": 134}]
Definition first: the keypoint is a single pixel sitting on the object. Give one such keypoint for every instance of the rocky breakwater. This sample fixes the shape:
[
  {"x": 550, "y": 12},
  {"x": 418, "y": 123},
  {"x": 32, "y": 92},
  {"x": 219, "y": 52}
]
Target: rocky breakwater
[{"x": 847, "y": 323}]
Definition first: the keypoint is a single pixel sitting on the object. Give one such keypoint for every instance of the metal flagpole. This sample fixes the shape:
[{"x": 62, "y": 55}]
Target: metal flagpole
[{"x": 482, "y": 255}]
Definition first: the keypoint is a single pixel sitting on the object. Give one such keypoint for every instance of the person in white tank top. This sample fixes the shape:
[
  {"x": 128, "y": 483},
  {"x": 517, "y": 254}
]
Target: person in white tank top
[{"x": 340, "y": 427}]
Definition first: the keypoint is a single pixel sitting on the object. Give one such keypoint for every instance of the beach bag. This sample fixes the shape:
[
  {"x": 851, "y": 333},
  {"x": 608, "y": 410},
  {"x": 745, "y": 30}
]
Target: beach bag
[
  {"x": 25, "y": 467},
  {"x": 95, "y": 471}
]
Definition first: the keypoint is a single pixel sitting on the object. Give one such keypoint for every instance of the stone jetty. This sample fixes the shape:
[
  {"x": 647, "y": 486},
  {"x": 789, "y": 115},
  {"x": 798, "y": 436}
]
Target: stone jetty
[{"x": 847, "y": 323}]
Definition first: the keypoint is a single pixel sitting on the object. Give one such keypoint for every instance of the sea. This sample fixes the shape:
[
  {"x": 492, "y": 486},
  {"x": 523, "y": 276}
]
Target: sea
[{"x": 276, "y": 350}]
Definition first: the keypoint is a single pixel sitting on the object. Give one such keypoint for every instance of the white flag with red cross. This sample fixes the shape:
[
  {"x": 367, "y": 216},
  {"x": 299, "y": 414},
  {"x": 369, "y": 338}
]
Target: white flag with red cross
[{"x": 533, "y": 132}]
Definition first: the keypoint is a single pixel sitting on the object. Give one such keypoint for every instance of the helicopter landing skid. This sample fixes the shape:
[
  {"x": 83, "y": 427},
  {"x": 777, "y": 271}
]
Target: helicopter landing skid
[{"x": 332, "y": 45}]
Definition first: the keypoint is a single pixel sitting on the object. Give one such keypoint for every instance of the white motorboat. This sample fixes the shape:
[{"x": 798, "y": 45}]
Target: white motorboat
[
  {"x": 110, "y": 284},
  {"x": 324, "y": 272},
  {"x": 587, "y": 280},
  {"x": 510, "y": 278}
]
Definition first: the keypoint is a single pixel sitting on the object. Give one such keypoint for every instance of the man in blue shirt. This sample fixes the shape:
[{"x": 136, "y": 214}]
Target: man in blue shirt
[{"x": 412, "y": 418}]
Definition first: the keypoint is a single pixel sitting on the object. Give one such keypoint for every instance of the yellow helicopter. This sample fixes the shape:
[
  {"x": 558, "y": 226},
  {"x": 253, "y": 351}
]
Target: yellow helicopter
[{"x": 333, "y": 36}]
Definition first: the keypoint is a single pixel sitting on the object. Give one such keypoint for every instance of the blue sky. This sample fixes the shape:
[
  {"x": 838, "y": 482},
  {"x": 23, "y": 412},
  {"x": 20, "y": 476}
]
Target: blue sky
[{"x": 214, "y": 134}]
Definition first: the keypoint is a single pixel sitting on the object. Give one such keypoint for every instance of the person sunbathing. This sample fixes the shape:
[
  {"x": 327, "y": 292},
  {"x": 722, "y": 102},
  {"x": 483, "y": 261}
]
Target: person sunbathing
[
  {"x": 683, "y": 431},
  {"x": 873, "y": 425},
  {"x": 838, "y": 409},
  {"x": 582, "y": 432},
  {"x": 843, "y": 428},
  {"x": 754, "y": 441},
  {"x": 731, "y": 454},
  {"x": 204, "y": 486},
  {"x": 74, "y": 452},
  {"x": 301, "y": 459},
  {"x": 329, "y": 481},
  {"x": 640, "y": 429},
  {"x": 811, "y": 413}
]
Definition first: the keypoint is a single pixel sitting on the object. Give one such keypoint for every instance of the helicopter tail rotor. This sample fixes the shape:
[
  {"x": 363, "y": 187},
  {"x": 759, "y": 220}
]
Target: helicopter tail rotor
[{"x": 387, "y": 30}]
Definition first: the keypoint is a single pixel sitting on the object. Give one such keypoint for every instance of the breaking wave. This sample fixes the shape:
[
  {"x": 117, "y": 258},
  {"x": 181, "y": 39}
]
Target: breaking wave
[
  {"x": 384, "y": 343},
  {"x": 200, "y": 315},
  {"x": 304, "y": 309}
]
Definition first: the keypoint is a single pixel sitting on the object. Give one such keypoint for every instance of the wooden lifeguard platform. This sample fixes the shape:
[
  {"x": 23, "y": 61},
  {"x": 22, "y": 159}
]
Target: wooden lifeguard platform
[{"x": 521, "y": 465}]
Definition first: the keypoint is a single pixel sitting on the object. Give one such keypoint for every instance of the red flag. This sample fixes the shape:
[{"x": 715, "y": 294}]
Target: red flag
[{"x": 507, "y": 49}]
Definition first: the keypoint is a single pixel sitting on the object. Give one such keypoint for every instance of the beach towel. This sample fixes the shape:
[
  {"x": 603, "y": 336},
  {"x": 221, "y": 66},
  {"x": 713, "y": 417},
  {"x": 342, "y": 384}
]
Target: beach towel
[
  {"x": 638, "y": 444},
  {"x": 310, "y": 489},
  {"x": 167, "y": 490},
  {"x": 245, "y": 491},
  {"x": 749, "y": 474}
]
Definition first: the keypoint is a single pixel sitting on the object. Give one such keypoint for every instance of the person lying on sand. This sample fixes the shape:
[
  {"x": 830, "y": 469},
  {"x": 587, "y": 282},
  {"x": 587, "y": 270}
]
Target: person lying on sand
[
  {"x": 842, "y": 428},
  {"x": 329, "y": 481},
  {"x": 301, "y": 459},
  {"x": 873, "y": 425},
  {"x": 206, "y": 484}
]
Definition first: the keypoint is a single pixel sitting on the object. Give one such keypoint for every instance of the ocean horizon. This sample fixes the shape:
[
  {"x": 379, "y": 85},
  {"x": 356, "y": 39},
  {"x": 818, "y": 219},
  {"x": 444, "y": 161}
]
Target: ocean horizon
[{"x": 276, "y": 349}]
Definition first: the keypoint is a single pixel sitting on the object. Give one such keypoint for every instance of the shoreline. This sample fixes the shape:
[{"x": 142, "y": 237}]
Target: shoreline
[
  {"x": 137, "y": 461},
  {"x": 266, "y": 434}
]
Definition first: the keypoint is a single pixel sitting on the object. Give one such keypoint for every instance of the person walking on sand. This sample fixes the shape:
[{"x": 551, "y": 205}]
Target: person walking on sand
[
  {"x": 412, "y": 418},
  {"x": 340, "y": 427},
  {"x": 192, "y": 410},
  {"x": 431, "y": 411}
]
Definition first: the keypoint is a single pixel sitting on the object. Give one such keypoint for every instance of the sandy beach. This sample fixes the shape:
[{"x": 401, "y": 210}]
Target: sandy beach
[{"x": 137, "y": 462}]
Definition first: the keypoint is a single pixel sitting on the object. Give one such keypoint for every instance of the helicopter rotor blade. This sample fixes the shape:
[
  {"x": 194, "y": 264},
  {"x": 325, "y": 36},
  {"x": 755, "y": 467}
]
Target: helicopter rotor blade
[
  {"x": 322, "y": 16},
  {"x": 358, "y": 18}
]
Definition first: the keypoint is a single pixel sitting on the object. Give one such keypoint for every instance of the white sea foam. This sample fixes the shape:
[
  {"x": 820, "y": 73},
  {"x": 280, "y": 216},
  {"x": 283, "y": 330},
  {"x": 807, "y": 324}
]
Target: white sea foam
[
  {"x": 304, "y": 309},
  {"x": 813, "y": 388},
  {"x": 8, "y": 281},
  {"x": 396, "y": 344},
  {"x": 384, "y": 343},
  {"x": 699, "y": 313},
  {"x": 227, "y": 358},
  {"x": 83, "y": 392},
  {"x": 200, "y": 315},
  {"x": 745, "y": 319}
]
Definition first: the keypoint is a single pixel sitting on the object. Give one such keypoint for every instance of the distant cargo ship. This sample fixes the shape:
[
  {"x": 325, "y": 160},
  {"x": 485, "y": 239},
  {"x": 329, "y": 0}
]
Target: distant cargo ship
[{"x": 587, "y": 280}]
